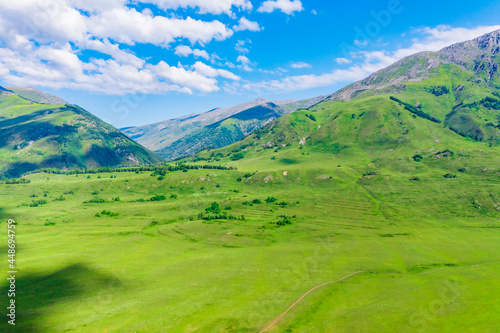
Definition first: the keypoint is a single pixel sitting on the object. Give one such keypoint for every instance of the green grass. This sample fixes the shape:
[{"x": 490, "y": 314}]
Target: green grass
[
  {"x": 357, "y": 200},
  {"x": 156, "y": 267}
]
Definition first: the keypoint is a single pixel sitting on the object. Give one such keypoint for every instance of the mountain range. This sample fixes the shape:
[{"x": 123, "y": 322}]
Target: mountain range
[
  {"x": 452, "y": 94},
  {"x": 217, "y": 128}
]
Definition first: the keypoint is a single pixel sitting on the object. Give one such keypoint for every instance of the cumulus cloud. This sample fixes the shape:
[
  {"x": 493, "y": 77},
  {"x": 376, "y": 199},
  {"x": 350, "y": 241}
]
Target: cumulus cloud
[
  {"x": 300, "y": 65},
  {"x": 286, "y": 6},
  {"x": 245, "y": 24},
  {"x": 343, "y": 61},
  {"x": 203, "y": 6},
  {"x": 208, "y": 71},
  {"x": 433, "y": 39},
  {"x": 44, "y": 43},
  {"x": 184, "y": 51},
  {"x": 244, "y": 63}
]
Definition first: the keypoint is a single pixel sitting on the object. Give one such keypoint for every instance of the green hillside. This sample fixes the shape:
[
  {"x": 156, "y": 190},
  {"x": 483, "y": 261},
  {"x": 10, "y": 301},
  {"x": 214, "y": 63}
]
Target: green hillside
[
  {"x": 222, "y": 133},
  {"x": 217, "y": 128},
  {"x": 35, "y": 136},
  {"x": 378, "y": 212}
]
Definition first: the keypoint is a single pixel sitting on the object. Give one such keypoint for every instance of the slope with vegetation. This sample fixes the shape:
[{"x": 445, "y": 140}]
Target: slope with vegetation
[
  {"x": 35, "y": 136},
  {"x": 217, "y": 128},
  {"x": 388, "y": 195}
]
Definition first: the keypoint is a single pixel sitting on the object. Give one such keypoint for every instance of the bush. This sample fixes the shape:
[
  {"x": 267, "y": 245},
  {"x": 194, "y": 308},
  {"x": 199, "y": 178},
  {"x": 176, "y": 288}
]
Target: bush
[
  {"x": 157, "y": 197},
  {"x": 256, "y": 201},
  {"x": 417, "y": 157},
  {"x": 271, "y": 199},
  {"x": 449, "y": 175},
  {"x": 161, "y": 178},
  {"x": 462, "y": 170},
  {"x": 213, "y": 209},
  {"x": 173, "y": 196}
]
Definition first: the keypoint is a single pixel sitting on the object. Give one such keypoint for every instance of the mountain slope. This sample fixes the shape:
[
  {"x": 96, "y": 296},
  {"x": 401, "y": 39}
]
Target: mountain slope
[
  {"x": 34, "y": 136},
  {"x": 479, "y": 56},
  {"x": 187, "y": 135},
  {"x": 421, "y": 105},
  {"x": 36, "y": 95}
]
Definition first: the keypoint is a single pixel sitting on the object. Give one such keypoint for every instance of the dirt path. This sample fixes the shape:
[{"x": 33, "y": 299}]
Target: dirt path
[{"x": 302, "y": 297}]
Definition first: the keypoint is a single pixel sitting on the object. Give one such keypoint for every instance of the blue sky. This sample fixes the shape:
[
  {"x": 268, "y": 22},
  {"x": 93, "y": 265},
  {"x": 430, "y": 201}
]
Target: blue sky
[{"x": 138, "y": 62}]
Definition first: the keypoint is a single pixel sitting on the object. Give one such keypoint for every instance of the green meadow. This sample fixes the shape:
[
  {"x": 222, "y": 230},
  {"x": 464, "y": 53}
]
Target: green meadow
[
  {"x": 428, "y": 249},
  {"x": 375, "y": 186}
]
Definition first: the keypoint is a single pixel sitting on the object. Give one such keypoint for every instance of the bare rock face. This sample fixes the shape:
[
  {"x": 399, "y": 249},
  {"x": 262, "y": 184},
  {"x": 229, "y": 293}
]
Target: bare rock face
[{"x": 478, "y": 55}]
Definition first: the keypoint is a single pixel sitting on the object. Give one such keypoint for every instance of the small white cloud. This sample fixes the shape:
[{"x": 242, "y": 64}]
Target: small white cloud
[
  {"x": 208, "y": 71},
  {"x": 184, "y": 51},
  {"x": 343, "y": 61},
  {"x": 300, "y": 65},
  {"x": 240, "y": 46},
  {"x": 245, "y": 63},
  {"x": 245, "y": 24},
  {"x": 204, "y": 6},
  {"x": 286, "y": 6},
  {"x": 314, "y": 12}
]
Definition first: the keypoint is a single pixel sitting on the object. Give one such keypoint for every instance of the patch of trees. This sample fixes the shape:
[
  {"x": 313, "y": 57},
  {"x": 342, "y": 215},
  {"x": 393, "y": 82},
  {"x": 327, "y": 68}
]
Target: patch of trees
[
  {"x": 310, "y": 116},
  {"x": 438, "y": 90},
  {"x": 158, "y": 170},
  {"x": 237, "y": 156},
  {"x": 36, "y": 203},
  {"x": 284, "y": 220},
  {"x": 15, "y": 181},
  {"x": 214, "y": 212},
  {"x": 417, "y": 157},
  {"x": 449, "y": 175},
  {"x": 415, "y": 110},
  {"x": 158, "y": 197},
  {"x": 106, "y": 213}
]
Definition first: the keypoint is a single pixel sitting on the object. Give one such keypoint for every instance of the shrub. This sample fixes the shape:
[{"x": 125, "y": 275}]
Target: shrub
[
  {"x": 417, "y": 157},
  {"x": 256, "y": 201},
  {"x": 462, "y": 170},
  {"x": 173, "y": 196},
  {"x": 214, "y": 208},
  {"x": 161, "y": 178},
  {"x": 271, "y": 199},
  {"x": 157, "y": 197},
  {"x": 449, "y": 175}
]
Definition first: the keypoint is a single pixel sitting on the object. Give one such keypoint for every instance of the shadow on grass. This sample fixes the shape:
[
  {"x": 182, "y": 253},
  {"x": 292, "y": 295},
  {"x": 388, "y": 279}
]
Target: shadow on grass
[{"x": 37, "y": 297}]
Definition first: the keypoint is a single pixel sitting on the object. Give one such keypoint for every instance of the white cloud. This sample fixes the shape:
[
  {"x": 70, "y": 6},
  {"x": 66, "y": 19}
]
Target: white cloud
[
  {"x": 240, "y": 46},
  {"x": 286, "y": 6},
  {"x": 314, "y": 12},
  {"x": 300, "y": 65},
  {"x": 204, "y": 6},
  {"x": 343, "y": 61},
  {"x": 245, "y": 24},
  {"x": 245, "y": 63},
  {"x": 44, "y": 43},
  {"x": 184, "y": 51},
  {"x": 433, "y": 39},
  {"x": 208, "y": 71},
  {"x": 183, "y": 77}
]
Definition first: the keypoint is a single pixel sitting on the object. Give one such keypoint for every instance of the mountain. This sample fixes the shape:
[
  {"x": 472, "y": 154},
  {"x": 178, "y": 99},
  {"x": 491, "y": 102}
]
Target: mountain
[
  {"x": 36, "y": 95},
  {"x": 35, "y": 135},
  {"x": 423, "y": 105},
  {"x": 479, "y": 56},
  {"x": 185, "y": 136}
]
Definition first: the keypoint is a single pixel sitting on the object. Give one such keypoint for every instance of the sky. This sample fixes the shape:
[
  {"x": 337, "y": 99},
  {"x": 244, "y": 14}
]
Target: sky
[{"x": 135, "y": 62}]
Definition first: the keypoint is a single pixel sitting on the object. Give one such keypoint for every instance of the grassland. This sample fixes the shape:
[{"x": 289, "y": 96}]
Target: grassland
[
  {"x": 157, "y": 268},
  {"x": 365, "y": 185}
]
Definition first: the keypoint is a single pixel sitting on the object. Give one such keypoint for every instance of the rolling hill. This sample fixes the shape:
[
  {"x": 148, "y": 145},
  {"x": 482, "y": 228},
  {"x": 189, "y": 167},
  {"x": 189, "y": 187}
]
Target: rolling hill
[
  {"x": 40, "y": 135},
  {"x": 216, "y": 128}
]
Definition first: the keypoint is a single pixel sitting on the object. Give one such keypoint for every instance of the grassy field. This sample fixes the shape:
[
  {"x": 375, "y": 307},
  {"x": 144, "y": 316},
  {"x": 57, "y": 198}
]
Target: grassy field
[
  {"x": 429, "y": 254},
  {"x": 361, "y": 186}
]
